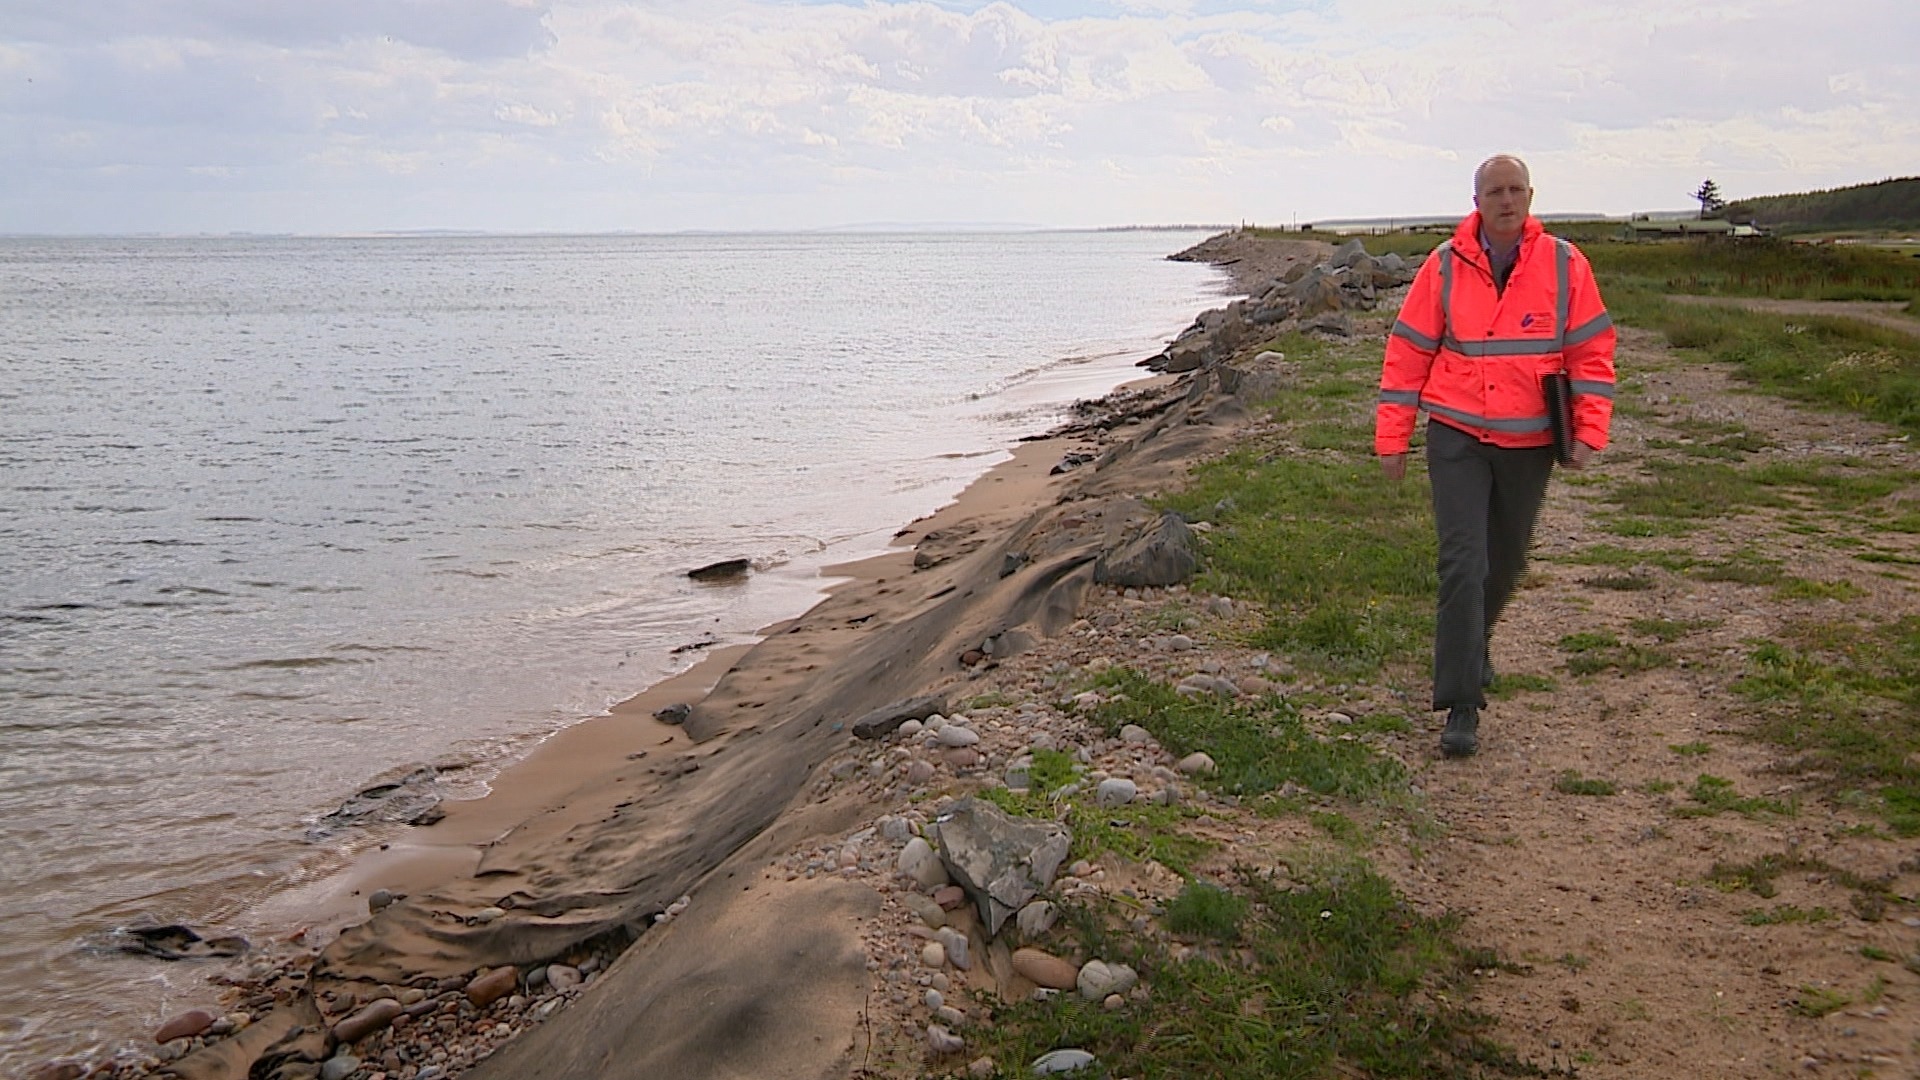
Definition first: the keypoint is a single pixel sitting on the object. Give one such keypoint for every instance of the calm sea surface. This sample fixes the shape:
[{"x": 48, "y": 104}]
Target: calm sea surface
[{"x": 282, "y": 518}]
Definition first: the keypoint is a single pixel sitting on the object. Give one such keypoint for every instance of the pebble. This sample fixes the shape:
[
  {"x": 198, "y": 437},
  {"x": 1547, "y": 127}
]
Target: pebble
[
  {"x": 1061, "y": 1061},
  {"x": 953, "y": 735},
  {"x": 919, "y": 772},
  {"x": 949, "y": 1016},
  {"x": 371, "y": 1018},
  {"x": 1045, "y": 969},
  {"x": 1135, "y": 735},
  {"x": 380, "y": 899},
  {"x": 495, "y": 985},
  {"x": 934, "y": 955},
  {"x": 956, "y": 947},
  {"x": 185, "y": 1026},
  {"x": 896, "y": 828},
  {"x": 918, "y": 862},
  {"x": 339, "y": 1067},
  {"x": 1099, "y": 978},
  {"x": 911, "y": 728},
  {"x": 1180, "y": 643},
  {"x": 965, "y": 757},
  {"x": 562, "y": 977},
  {"x": 926, "y": 910},
  {"x": 950, "y": 897},
  {"x": 942, "y": 1041},
  {"x": 1118, "y": 791},
  {"x": 1197, "y": 763},
  {"x": 933, "y": 998},
  {"x": 1113, "y": 1003},
  {"x": 940, "y": 982},
  {"x": 980, "y": 1068}
]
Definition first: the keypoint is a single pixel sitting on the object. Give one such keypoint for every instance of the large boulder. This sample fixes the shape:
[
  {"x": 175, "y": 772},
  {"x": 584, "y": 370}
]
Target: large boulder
[
  {"x": 1159, "y": 555},
  {"x": 1315, "y": 292},
  {"x": 1001, "y": 861},
  {"x": 1348, "y": 253},
  {"x": 882, "y": 722}
]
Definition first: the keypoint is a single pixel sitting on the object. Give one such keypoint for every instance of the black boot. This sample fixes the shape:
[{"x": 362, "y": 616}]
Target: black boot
[{"x": 1461, "y": 738}]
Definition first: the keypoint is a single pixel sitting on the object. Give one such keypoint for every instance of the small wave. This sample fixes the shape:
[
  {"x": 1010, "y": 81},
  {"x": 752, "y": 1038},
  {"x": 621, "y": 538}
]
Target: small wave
[
  {"x": 63, "y": 605},
  {"x": 231, "y": 518},
  {"x": 192, "y": 590},
  {"x": 281, "y": 662},
  {"x": 355, "y": 647}
]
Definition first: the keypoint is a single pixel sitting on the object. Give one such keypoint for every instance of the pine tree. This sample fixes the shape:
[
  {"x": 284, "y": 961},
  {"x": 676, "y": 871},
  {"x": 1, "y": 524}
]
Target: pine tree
[{"x": 1709, "y": 199}]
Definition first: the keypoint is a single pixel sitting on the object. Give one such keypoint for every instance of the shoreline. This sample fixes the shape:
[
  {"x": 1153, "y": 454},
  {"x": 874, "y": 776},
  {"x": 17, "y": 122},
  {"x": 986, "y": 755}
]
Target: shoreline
[{"x": 592, "y": 771}]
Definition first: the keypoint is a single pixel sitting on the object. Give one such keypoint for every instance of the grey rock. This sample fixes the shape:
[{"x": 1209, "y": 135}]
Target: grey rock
[
  {"x": 724, "y": 570},
  {"x": 959, "y": 953},
  {"x": 942, "y": 1041},
  {"x": 1117, "y": 791},
  {"x": 955, "y": 736},
  {"x": 896, "y": 828},
  {"x": 562, "y": 977},
  {"x": 1036, "y": 919},
  {"x": 1135, "y": 735},
  {"x": 1330, "y": 324},
  {"x": 1350, "y": 252},
  {"x": 882, "y": 721},
  {"x": 339, "y": 1068},
  {"x": 1061, "y": 1061},
  {"x": 918, "y": 861},
  {"x": 1161, "y": 554},
  {"x": 674, "y": 714},
  {"x": 1197, "y": 763},
  {"x": 1099, "y": 978},
  {"x": 1001, "y": 862}
]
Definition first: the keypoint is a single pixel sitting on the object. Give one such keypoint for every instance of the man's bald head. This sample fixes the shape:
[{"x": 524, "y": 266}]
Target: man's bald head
[
  {"x": 1503, "y": 193},
  {"x": 1507, "y": 160}
]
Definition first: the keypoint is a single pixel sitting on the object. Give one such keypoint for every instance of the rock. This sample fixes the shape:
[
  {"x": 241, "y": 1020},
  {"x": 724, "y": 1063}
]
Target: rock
[
  {"x": 1117, "y": 791},
  {"x": 1019, "y": 776},
  {"x": 980, "y": 1068},
  {"x": 1099, "y": 978},
  {"x": 412, "y": 800},
  {"x": 949, "y": 897},
  {"x": 1135, "y": 735},
  {"x": 920, "y": 772},
  {"x": 1001, "y": 862},
  {"x": 724, "y": 570},
  {"x": 185, "y": 1026},
  {"x": 933, "y": 955},
  {"x": 1348, "y": 253},
  {"x": 961, "y": 758},
  {"x": 1197, "y": 763},
  {"x": 1045, "y": 969},
  {"x": 882, "y": 721},
  {"x": 942, "y": 1041},
  {"x": 910, "y": 729},
  {"x": 918, "y": 861},
  {"x": 676, "y": 714},
  {"x": 1061, "y": 1061},
  {"x": 57, "y": 1070},
  {"x": 339, "y": 1067},
  {"x": 1330, "y": 323},
  {"x": 933, "y": 998},
  {"x": 955, "y": 736},
  {"x": 495, "y": 985},
  {"x": 1160, "y": 554},
  {"x": 1037, "y": 918},
  {"x": 371, "y": 1018},
  {"x": 1180, "y": 643},
  {"x": 1113, "y": 1003},
  {"x": 562, "y": 977},
  {"x": 958, "y": 952},
  {"x": 924, "y": 909},
  {"x": 380, "y": 900},
  {"x": 486, "y": 915},
  {"x": 896, "y": 828},
  {"x": 175, "y": 942}
]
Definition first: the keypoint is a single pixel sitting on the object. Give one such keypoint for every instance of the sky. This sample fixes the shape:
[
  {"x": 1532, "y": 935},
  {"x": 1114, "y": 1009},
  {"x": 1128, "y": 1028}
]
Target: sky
[{"x": 328, "y": 116}]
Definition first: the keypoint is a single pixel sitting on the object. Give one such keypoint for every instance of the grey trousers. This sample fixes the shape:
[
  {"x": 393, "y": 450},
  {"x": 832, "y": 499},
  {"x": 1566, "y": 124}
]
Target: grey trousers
[{"x": 1486, "y": 499}]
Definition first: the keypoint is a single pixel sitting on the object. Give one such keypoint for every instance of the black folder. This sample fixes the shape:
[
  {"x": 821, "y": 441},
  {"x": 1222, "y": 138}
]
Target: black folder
[{"x": 1558, "y": 390}]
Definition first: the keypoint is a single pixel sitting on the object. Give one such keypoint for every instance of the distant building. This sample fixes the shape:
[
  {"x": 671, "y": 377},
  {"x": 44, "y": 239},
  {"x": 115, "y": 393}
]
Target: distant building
[{"x": 1643, "y": 227}]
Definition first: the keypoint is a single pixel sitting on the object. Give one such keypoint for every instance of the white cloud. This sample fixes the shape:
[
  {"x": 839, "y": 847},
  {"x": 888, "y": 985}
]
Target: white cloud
[{"x": 701, "y": 113}]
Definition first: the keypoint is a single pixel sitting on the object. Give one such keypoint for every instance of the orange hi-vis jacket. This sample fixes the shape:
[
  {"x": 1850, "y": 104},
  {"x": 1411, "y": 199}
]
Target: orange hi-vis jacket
[{"x": 1472, "y": 356}]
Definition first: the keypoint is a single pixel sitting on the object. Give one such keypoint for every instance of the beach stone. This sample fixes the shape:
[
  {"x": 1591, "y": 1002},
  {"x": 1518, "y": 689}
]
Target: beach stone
[
  {"x": 955, "y": 943},
  {"x": 339, "y": 1067},
  {"x": 1196, "y": 763},
  {"x": 911, "y": 728},
  {"x": 933, "y": 955},
  {"x": 884, "y": 720},
  {"x": 962, "y": 757},
  {"x": 953, "y": 735},
  {"x": 980, "y": 1068},
  {"x": 1019, "y": 776},
  {"x": 1061, "y": 1061},
  {"x": 1045, "y": 969},
  {"x": 933, "y": 998},
  {"x": 920, "y": 772},
  {"x": 918, "y": 861},
  {"x": 675, "y": 714},
  {"x": 495, "y": 985},
  {"x": 562, "y": 977},
  {"x": 1037, "y": 918},
  {"x": 925, "y": 909},
  {"x": 1135, "y": 735},
  {"x": 896, "y": 828},
  {"x": 1160, "y": 554},
  {"x": 1115, "y": 792},
  {"x": 371, "y": 1018},
  {"x": 950, "y": 897},
  {"x": 724, "y": 570},
  {"x": 1099, "y": 978},
  {"x": 185, "y": 1026},
  {"x": 379, "y": 900},
  {"x": 1001, "y": 862},
  {"x": 57, "y": 1070},
  {"x": 949, "y": 1016},
  {"x": 941, "y": 1041},
  {"x": 486, "y": 915},
  {"x": 1113, "y": 1003}
]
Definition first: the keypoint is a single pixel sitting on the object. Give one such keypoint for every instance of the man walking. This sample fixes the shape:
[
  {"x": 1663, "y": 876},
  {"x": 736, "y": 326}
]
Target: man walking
[{"x": 1492, "y": 310}]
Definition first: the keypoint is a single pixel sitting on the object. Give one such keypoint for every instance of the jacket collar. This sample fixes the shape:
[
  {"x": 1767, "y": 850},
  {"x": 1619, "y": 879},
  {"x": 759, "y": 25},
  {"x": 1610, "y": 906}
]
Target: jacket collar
[{"x": 1466, "y": 238}]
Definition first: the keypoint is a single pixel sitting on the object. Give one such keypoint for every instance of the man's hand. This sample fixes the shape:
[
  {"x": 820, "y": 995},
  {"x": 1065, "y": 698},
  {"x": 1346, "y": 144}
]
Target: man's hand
[
  {"x": 1393, "y": 465},
  {"x": 1582, "y": 455}
]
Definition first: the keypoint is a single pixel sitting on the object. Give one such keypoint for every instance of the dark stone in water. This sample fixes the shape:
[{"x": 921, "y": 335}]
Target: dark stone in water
[
  {"x": 413, "y": 800},
  {"x": 725, "y": 570},
  {"x": 674, "y": 714},
  {"x": 175, "y": 942}
]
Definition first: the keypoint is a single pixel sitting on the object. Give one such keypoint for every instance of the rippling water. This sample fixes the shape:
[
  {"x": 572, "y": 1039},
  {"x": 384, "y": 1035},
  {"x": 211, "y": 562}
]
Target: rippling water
[{"x": 284, "y": 517}]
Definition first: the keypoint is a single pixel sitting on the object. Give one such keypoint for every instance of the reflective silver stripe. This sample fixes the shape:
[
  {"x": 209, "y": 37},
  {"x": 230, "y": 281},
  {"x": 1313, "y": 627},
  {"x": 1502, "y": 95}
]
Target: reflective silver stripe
[
  {"x": 1503, "y": 347},
  {"x": 1562, "y": 258},
  {"x": 1400, "y": 397},
  {"x": 1446, "y": 286},
  {"x": 1597, "y": 389},
  {"x": 1520, "y": 426},
  {"x": 1401, "y": 329},
  {"x": 1589, "y": 330}
]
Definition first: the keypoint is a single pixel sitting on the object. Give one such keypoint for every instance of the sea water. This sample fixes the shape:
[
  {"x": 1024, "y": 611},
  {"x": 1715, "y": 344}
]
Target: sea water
[{"x": 281, "y": 518}]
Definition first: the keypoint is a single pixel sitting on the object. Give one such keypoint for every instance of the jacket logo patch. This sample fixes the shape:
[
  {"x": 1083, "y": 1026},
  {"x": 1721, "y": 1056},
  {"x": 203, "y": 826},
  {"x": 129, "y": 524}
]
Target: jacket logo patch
[{"x": 1537, "y": 322}]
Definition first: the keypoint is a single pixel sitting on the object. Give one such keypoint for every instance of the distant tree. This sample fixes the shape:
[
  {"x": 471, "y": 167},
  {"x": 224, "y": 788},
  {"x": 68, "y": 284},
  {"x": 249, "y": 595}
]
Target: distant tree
[{"x": 1709, "y": 199}]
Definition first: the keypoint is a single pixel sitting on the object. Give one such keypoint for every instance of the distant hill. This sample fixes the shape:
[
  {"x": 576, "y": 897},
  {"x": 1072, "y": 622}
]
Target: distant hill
[{"x": 1889, "y": 204}]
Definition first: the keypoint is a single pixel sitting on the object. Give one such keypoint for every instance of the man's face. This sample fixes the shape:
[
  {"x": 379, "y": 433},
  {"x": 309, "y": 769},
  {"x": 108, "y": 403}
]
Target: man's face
[{"x": 1504, "y": 199}]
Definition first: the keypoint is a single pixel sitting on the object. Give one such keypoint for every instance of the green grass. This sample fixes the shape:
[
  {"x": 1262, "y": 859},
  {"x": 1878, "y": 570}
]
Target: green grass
[
  {"x": 1508, "y": 684},
  {"x": 1571, "y": 782},
  {"x": 1785, "y": 914},
  {"x": 1799, "y": 588},
  {"x": 1815, "y": 1002},
  {"x": 1206, "y": 911},
  {"x": 1842, "y": 695},
  {"x": 1592, "y": 652},
  {"x": 1761, "y": 268},
  {"x": 1713, "y": 795},
  {"x": 1257, "y": 746},
  {"x": 1691, "y": 749},
  {"x": 1335, "y": 977},
  {"x": 1138, "y": 831},
  {"x": 1668, "y": 631}
]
